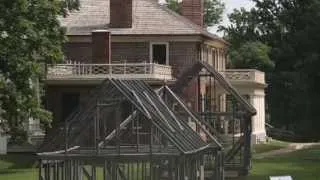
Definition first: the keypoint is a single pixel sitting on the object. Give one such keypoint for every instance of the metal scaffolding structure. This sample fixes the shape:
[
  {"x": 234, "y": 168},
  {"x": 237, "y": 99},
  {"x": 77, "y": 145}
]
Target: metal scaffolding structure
[
  {"x": 128, "y": 131},
  {"x": 228, "y": 119}
]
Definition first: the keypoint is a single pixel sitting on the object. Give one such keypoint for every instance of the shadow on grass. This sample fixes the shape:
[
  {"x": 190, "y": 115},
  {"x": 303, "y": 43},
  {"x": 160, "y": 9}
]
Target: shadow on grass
[
  {"x": 6, "y": 172},
  {"x": 17, "y": 161}
]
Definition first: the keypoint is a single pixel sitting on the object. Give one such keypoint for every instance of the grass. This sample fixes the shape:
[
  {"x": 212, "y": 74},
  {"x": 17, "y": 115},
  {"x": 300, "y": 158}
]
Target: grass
[
  {"x": 302, "y": 164},
  {"x": 270, "y": 146},
  {"x": 18, "y": 167}
]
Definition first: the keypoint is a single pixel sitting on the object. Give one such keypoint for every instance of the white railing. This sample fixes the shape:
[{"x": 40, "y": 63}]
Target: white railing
[
  {"x": 244, "y": 75},
  {"x": 126, "y": 70}
]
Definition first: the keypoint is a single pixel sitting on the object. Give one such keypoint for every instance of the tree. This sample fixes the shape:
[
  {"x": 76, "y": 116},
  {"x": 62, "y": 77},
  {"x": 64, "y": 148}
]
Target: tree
[
  {"x": 243, "y": 28},
  {"x": 247, "y": 49},
  {"x": 253, "y": 55},
  {"x": 290, "y": 28},
  {"x": 213, "y": 10},
  {"x": 30, "y": 37}
]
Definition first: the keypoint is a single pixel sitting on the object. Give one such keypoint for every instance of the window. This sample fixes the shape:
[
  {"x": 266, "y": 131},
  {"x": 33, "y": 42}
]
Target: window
[{"x": 159, "y": 53}]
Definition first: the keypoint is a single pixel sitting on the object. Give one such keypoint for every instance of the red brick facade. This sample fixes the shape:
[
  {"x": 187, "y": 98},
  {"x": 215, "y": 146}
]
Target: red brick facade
[
  {"x": 194, "y": 10},
  {"x": 120, "y": 13},
  {"x": 101, "y": 47}
]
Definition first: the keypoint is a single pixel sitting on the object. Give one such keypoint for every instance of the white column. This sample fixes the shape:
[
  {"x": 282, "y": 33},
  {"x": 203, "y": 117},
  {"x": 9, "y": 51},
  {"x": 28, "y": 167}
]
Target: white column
[
  {"x": 258, "y": 121},
  {"x": 218, "y": 60},
  {"x": 224, "y": 61},
  {"x": 3, "y": 144}
]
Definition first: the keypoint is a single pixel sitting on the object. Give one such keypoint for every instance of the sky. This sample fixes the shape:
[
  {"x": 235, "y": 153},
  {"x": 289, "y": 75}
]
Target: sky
[{"x": 230, "y": 5}]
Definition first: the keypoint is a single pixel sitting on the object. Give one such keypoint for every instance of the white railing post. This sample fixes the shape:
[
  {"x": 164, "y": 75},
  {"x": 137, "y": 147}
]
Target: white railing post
[
  {"x": 75, "y": 66},
  {"x": 82, "y": 67},
  {"x": 145, "y": 67},
  {"x": 79, "y": 68},
  {"x": 151, "y": 68}
]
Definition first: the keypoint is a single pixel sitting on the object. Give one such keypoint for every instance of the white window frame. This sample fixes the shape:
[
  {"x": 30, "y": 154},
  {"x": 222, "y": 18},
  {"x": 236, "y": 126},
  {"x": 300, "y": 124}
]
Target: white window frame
[{"x": 159, "y": 43}]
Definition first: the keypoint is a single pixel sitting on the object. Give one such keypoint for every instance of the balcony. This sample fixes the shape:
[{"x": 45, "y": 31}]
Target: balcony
[
  {"x": 245, "y": 76},
  {"x": 77, "y": 72}
]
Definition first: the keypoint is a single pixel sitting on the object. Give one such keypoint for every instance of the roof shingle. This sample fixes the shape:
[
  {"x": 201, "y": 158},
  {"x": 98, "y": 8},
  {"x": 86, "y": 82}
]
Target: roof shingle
[{"x": 149, "y": 18}]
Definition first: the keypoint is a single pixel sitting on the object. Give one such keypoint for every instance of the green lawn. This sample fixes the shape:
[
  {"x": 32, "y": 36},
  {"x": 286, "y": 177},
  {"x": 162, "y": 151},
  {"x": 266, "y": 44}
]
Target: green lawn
[
  {"x": 303, "y": 164},
  {"x": 272, "y": 145}
]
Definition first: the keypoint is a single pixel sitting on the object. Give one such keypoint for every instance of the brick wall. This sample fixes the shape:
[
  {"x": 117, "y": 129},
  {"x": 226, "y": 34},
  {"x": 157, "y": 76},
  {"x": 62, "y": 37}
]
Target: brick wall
[
  {"x": 193, "y": 10},
  {"x": 101, "y": 47},
  {"x": 121, "y": 13}
]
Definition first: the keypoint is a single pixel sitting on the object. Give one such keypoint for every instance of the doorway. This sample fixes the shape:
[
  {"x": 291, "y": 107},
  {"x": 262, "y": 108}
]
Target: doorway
[
  {"x": 160, "y": 53},
  {"x": 69, "y": 102}
]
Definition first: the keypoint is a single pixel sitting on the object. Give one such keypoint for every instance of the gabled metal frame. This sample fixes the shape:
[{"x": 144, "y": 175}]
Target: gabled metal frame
[
  {"x": 150, "y": 142},
  {"x": 237, "y": 151}
]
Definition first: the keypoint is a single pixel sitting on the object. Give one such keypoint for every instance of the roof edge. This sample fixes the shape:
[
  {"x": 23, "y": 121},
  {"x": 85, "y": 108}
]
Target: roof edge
[{"x": 203, "y": 31}]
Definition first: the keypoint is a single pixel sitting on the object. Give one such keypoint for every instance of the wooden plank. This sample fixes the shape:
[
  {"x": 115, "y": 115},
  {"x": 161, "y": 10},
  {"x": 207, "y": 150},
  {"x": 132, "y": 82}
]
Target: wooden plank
[
  {"x": 58, "y": 152},
  {"x": 122, "y": 125}
]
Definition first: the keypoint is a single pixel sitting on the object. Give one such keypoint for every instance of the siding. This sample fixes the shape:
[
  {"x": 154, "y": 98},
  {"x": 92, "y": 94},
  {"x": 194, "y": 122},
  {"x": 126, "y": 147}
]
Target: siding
[
  {"x": 79, "y": 52},
  {"x": 130, "y": 52},
  {"x": 120, "y": 52},
  {"x": 182, "y": 55}
]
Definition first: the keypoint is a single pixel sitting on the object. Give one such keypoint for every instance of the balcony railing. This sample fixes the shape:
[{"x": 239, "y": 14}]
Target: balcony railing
[
  {"x": 124, "y": 71},
  {"x": 244, "y": 75}
]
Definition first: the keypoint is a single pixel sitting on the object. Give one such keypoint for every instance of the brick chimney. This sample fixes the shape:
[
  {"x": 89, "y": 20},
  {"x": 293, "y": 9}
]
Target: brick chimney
[
  {"x": 193, "y": 10},
  {"x": 120, "y": 13},
  {"x": 101, "y": 47}
]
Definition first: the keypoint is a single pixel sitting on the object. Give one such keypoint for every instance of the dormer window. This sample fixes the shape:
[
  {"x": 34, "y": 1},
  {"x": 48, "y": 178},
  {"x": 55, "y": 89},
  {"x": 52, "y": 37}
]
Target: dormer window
[{"x": 159, "y": 53}]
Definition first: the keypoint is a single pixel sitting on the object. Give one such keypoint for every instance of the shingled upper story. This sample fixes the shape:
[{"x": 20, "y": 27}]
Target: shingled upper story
[{"x": 145, "y": 35}]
